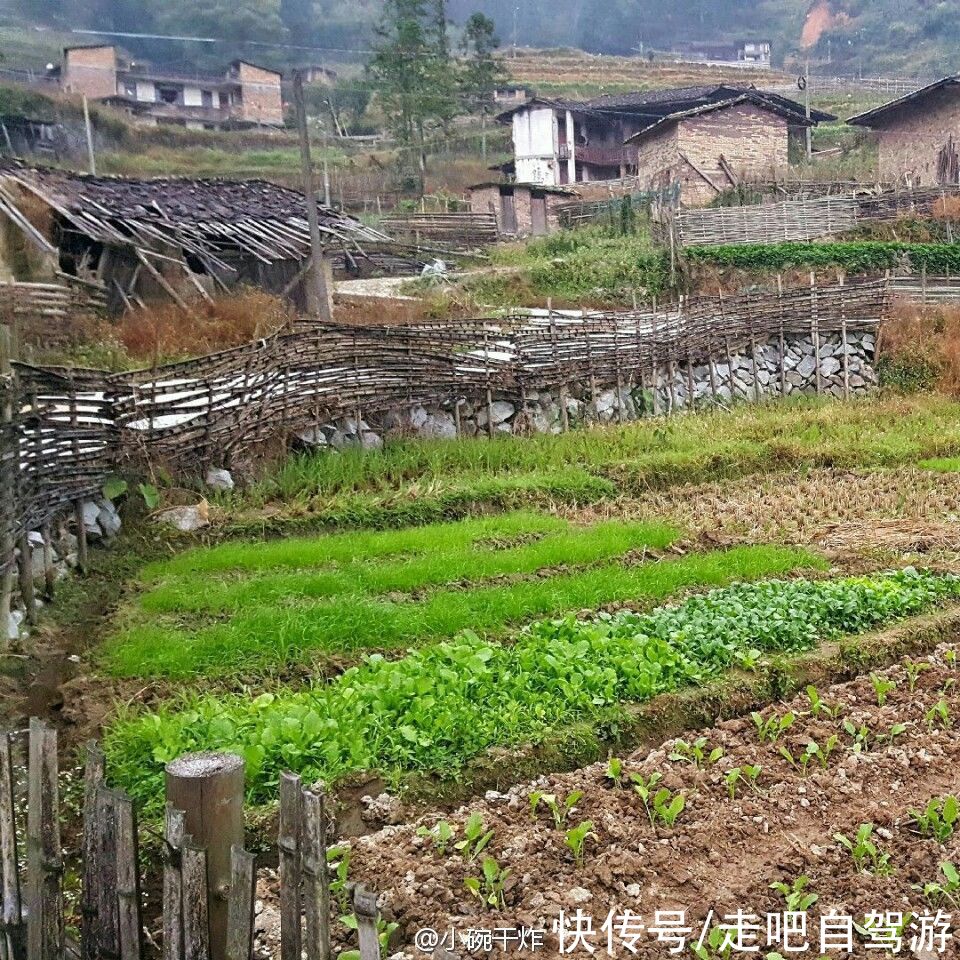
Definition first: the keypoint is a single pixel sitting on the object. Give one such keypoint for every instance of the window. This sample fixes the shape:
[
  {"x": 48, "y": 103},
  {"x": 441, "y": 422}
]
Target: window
[
  {"x": 168, "y": 95},
  {"x": 206, "y": 98},
  {"x": 130, "y": 89}
]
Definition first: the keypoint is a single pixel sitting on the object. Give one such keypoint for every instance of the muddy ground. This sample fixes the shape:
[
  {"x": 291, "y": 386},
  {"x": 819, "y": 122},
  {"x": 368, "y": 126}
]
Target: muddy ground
[{"x": 723, "y": 853}]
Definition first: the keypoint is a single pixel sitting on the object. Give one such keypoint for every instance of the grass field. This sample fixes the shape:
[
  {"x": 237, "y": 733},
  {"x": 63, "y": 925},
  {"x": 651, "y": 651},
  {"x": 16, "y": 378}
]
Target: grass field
[
  {"x": 416, "y": 481},
  {"x": 439, "y": 706},
  {"x": 415, "y": 646}
]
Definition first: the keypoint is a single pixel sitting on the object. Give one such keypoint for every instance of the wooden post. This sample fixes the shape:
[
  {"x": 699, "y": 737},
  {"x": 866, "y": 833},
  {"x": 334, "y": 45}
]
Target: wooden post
[
  {"x": 815, "y": 330},
  {"x": 782, "y": 344},
  {"x": 289, "y": 845},
  {"x": 91, "y": 156},
  {"x": 107, "y": 929},
  {"x": 653, "y": 363},
  {"x": 319, "y": 295},
  {"x": 365, "y": 910},
  {"x": 208, "y": 787},
  {"x": 94, "y": 771},
  {"x": 844, "y": 342},
  {"x": 49, "y": 571},
  {"x": 196, "y": 897},
  {"x": 240, "y": 909},
  {"x": 564, "y": 414},
  {"x": 12, "y": 935},
  {"x": 128, "y": 879},
  {"x": 9, "y": 470},
  {"x": 44, "y": 864},
  {"x": 317, "y": 881},
  {"x": 174, "y": 831}
]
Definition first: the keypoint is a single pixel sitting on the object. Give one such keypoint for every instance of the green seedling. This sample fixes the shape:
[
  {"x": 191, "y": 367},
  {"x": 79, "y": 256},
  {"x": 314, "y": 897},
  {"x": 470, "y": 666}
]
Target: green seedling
[
  {"x": 881, "y": 688},
  {"x": 576, "y": 839},
  {"x": 560, "y": 810},
  {"x": 819, "y": 707},
  {"x": 867, "y": 856},
  {"x": 441, "y": 835},
  {"x": 735, "y": 775},
  {"x": 800, "y": 763},
  {"x": 695, "y": 753},
  {"x": 861, "y": 736},
  {"x": 795, "y": 896},
  {"x": 644, "y": 788},
  {"x": 338, "y": 861},
  {"x": 913, "y": 669},
  {"x": 772, "y": 729},
  {"x": 749, "y": 660},
  {"x": 938, "y": 716},
  {"x": 667, "y": 806},
  {"x": 948, "y": 685},
  {"x": 475, "y": 838},
  {"x": 950, "y": 658},
  {"x": 939, "y": 819},
  {"x": 384, "y": 932},
  {"x": 614, "y": 772},
  {"x": 947, "y": 890},
  {"x": 897, "y": 730},
  {"x": 714, "y": 947},
  {"x": 489, "y": 888}
]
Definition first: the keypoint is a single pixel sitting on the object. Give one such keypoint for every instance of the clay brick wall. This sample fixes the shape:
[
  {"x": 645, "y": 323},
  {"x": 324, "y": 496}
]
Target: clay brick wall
[
  {"x": 261, "y": 95},
  {"x": 752, "y": 140},
  {"x": 91, "y": 71},
  {"x": 911, "y": 140}
]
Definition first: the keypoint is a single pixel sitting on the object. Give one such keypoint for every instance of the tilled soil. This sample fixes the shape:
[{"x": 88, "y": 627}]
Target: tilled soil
[{"x": 723, "y": 853}]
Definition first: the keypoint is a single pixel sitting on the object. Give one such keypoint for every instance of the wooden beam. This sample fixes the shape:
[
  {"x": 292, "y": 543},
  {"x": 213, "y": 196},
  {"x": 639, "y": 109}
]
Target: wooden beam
[{"x": 699, "y": 172}]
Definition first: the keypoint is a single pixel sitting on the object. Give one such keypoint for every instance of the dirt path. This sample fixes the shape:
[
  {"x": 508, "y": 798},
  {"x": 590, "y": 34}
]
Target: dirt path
[{"x": 724, "y": 852}]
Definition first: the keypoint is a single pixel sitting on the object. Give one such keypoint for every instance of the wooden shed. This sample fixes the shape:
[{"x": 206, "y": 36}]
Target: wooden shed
[
  {"x": 919, "y": 135},
  {"x": 521, "y": 209}
]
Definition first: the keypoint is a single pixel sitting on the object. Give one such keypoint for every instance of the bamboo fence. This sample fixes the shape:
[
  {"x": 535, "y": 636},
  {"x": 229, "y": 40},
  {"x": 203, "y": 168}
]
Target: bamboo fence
[
  {"x": 65, "y": 431},
  {"x": 463, "y": 230},
  {"x": 114, "y": 917},
  {"x": 803, "y": 219}
]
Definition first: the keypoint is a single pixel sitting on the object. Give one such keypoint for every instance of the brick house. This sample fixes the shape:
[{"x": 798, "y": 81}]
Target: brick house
[
  {"x": 522, "y": 209},
  {"x": 558, "y": 142},
  {"x": 919, "y": 135},
  {"x": 243, "y": 95},
  {"x": 711, "y": 148}
]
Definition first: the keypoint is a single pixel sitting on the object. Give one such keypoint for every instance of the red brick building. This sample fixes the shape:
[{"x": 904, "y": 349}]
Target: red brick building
[
  {"x": 521, "y": 209},
  {"x": 919, "y": 135}
]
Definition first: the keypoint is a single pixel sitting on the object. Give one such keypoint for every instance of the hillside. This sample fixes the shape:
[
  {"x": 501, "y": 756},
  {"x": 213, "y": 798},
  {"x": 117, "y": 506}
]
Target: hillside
[{"x": 880, "y": 36}]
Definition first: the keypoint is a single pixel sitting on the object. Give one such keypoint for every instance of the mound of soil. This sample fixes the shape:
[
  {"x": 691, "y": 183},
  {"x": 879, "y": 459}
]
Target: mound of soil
[{"x": 723, "y": 853}]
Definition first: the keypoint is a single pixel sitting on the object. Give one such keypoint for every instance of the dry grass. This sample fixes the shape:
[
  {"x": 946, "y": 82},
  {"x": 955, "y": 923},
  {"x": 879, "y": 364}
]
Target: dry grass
[
  {"x": 164, "y": 332},
  {"x": 803, "y": 507},
  {"x": 947, "y": 208},
  {"x": 920, "y": 345}
]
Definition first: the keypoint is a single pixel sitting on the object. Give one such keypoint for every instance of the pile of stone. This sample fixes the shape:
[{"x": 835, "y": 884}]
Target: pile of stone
[{"x": 102, "y": 523}]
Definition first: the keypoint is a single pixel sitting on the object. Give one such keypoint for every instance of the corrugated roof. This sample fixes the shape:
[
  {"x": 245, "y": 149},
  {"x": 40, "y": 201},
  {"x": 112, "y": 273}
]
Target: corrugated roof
[{"x": 884, "y": 110}]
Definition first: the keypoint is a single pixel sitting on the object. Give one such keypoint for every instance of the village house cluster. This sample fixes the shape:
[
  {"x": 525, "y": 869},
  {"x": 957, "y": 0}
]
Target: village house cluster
[{"x": 244, "y": 94}]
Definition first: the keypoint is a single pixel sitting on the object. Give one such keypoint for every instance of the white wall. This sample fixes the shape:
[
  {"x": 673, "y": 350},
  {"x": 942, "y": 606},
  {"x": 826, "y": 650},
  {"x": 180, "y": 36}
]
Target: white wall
[
  {"x": 146, "y": 91},
  {"x": 192, "y": 97},
  {"x": 535, "y": 146}
]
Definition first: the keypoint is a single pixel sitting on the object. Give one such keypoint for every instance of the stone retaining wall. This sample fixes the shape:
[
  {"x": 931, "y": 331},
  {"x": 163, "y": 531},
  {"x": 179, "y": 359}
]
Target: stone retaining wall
[{"x": 540, "y": 411}]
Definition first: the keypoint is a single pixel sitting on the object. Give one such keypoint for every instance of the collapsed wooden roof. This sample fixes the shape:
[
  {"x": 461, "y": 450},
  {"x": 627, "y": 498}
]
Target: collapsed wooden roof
[{"x": 206, "y": 217}]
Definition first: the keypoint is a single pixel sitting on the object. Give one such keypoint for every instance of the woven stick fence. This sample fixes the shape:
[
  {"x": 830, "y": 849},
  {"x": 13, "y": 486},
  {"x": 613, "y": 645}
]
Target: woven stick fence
[
  {"x": 208, "y": 884},
  {"x": 66, "y": 430},
  {"x": 803, "y": 219},
  {"x": 460, "y": 231}
]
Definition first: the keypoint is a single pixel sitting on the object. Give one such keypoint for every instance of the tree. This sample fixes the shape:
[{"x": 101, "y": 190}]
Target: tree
[
  {"x": 411, "y": 72},
  {"x": 481, "y": 72}
]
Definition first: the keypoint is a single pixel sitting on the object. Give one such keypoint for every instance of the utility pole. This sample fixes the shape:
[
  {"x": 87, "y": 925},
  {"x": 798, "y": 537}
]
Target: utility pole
[
  {"x": 319, "y": 298},
  {"x": 91, "y": 158},
  {"x": 806, "y": 90}
]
